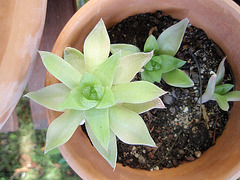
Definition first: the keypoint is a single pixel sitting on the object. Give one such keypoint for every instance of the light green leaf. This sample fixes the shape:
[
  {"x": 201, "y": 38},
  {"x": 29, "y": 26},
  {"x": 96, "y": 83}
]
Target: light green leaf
[
  {"x": 126, "y": 49},
  {"x": 233, "y": 96},
  {"x": 146, "y": 77},
  {"x": 107, "y": 100},
  {"x": 129, "y": 67},
  {"x": 89, "y": 80},
  {"x": 177, "y": 78},
  {"x": 136, "y": 92},
  {"x": 75, "y": 100},
  {"x": 61, "y": 69},
  {"x": 156, "y": 75},
  {"x": 75, "y": 58},
  {"x": 111, "y": 153},
  {"x": 129, "y": 127},
  {"x": 62, "y": 129},
  {"x": 168, "y": 63},
  {"x": 223, "y": 88},
  {"x": 151, "y": 44},
  {"x": 222, "y": 101},
  {"x": 51, "y": 96},
  {"x": 220, "y": 71},
  {"x": 96, "y": 47},
  {"x": 143, "y": 107},
  {"x": 98, "y": 120},
  {"x": 170, "y": 39},
  {"x": 106, "y": 71},
  {"x": 210, "y": 89}
]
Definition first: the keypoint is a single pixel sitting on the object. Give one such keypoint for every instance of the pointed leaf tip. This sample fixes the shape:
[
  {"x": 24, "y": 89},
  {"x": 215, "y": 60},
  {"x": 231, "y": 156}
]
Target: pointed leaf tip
[
  {"x": 129, "y": 127},
  {"x": 96, "y": 46},
  {"x": 170, "y": 39},
  {"x": 62, "y": 129},
  {"x": 61, "y": 69}
]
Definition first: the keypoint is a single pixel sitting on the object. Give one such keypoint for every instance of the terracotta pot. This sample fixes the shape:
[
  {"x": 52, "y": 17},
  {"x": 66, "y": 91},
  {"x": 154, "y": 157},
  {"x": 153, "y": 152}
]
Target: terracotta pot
[
  {"x": 21, "y": 29},
  {"x": 221, "y": 21}
]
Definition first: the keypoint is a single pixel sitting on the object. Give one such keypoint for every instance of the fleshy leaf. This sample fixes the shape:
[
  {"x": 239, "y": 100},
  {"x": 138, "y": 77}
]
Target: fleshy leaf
[
  {"x": 222, "y": 101},
  {"x": 62, "y": 129},
  {"x": 146, "y": 77},
  {"x": 98, "y": 120},
  {"x": 170, "y": 39},
  {"x": 168, "y": 63},
  {"x": 107, "y": 100},
  {"x": 126, "y": 49},
  {"x": 75, "y": 58},
  {"x": 51, "y": 96},
  {"x": 156, "y": 75},
  {"x": 210, "y": 89},
  {"x": 96, "y": 47},
  {"x": 61, "y": 69},
  {"x": 233, "y": 96},
  {"x": 136, "y": 92},
  {"x": 220, "y": 71},
  {"x": 143, "y": 107},
  {"x": 223, "y": 88},
  {"x": 111, "y": 153},
  {"x": 129, "y": 67},
  {"x": 151, "y": 44},
  {"x": 89, "y": 79},
  {"x": 75, "y": 100},
  {"x": 177, "y": 78},
  {"x": 106, "y": 71},
  {"x": 129, "y": 127}
]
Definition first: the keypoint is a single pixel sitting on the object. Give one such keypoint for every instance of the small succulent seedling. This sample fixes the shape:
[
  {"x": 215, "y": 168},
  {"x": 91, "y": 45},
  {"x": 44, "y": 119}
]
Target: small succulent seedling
[
  {"x": 220, "y": 92},
  {"x": 163, "y": 64},
  {"x": 96, "y": 90}
]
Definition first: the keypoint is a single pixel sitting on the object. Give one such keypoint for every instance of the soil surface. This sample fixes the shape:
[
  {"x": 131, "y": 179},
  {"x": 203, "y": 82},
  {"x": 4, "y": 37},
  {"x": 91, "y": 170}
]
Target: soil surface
[{"x": 182, "y": 132}]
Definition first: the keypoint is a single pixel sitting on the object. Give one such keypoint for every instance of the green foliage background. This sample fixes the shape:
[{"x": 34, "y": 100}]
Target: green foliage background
[{"x": 27, "y": 144}]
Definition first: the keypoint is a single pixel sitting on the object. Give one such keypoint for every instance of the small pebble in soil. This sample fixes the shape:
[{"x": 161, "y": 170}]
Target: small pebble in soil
[{"x": 198, "y": 154}]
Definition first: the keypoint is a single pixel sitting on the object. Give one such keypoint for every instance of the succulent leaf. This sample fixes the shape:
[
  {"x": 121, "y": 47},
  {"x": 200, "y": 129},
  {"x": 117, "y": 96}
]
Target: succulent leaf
[
  {"x": 111, "y": 153},
  {"x": 126, "y": 49},
  {"x": 98, "y": 120},
  {"x": 143, "y": 107},
  {"x": 51, "y": 96},
  {"x": 106, "y": 71},
  {"x": 233, "y": 96},
  {"x": 77, "y": 101},
  {"x": 223, "y": 88},
  {"x": 170, "y": 39},
  {"x": 168, "y": 63},
  {"x": 220, "y": 71},
  {"x": 62, "y": 129},
  {"x": 60, "y": 69},
  {"x": 151, "y": 44},
  {"x": 136, "y": 92},
  {"x": 129, "y": 67},
  {"x": 96, "y": 47},
  {"x": 107, "y": 100},
  {"x": 177, "y": 78},
  {"x": 222, "y": 101},
  {"x": 146, "y": 77},
  {"x": 129, "y": 126},
  {"x": 210, "y": 89},
  {"x": 155, "y": 75},
  {"x": 75, "y": 58}
]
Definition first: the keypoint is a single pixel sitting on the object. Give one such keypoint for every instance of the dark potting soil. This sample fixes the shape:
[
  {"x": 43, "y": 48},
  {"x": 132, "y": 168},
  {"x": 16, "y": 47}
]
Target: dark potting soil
[{"x": 181, "y": 131}]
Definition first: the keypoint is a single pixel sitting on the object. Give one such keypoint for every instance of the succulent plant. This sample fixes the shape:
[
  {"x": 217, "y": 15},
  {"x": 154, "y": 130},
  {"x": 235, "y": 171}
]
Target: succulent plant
[
  {"x": 95, "y": 89},
  {"x": 163, "y": 64},
  {"x": 220, "y": 92}
]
